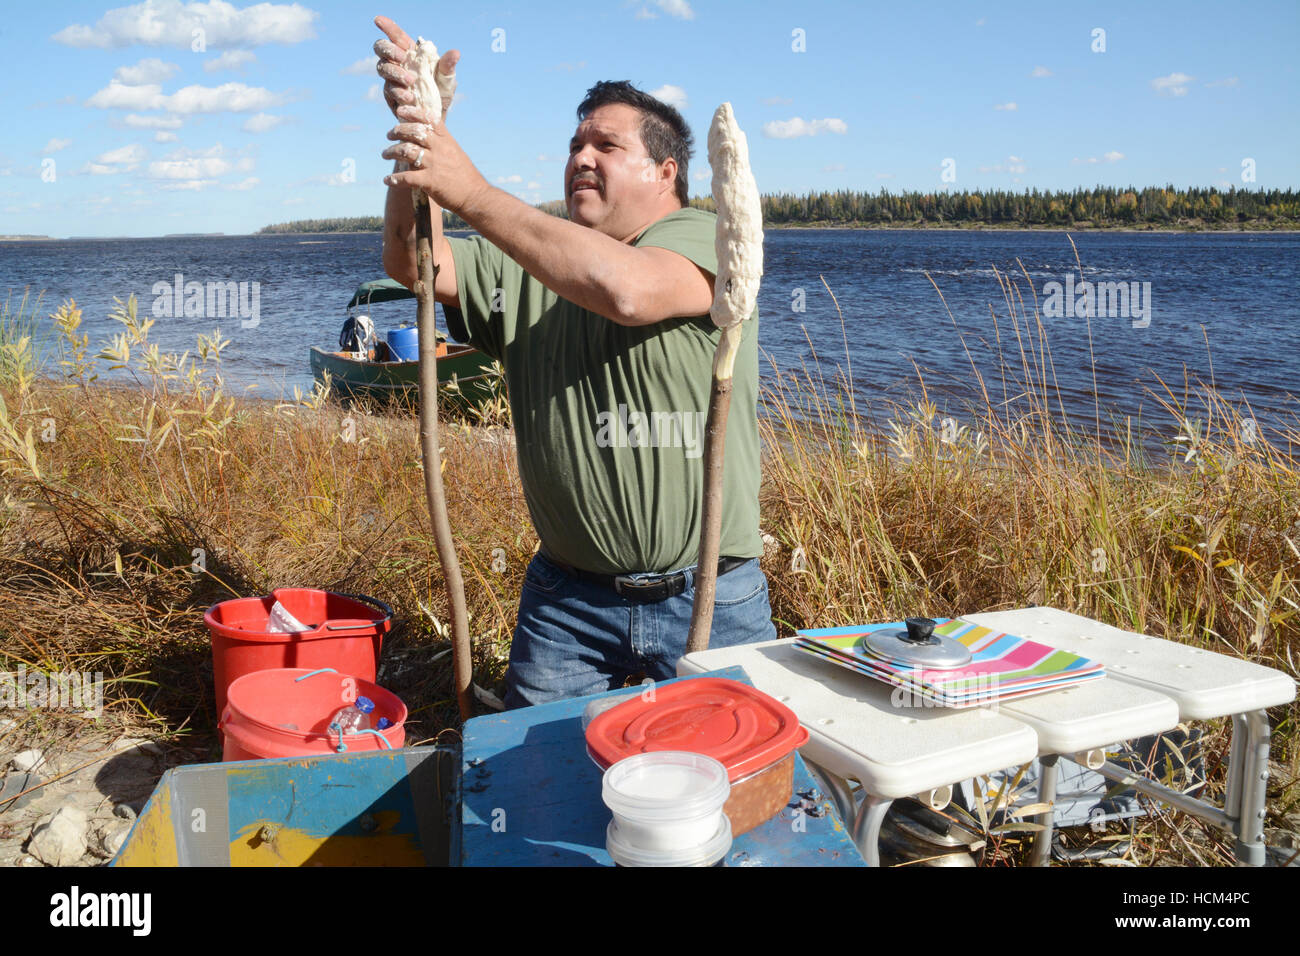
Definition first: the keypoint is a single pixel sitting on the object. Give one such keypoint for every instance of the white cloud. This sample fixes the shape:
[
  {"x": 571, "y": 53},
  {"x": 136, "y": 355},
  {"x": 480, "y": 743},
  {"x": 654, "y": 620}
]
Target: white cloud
[
  {"x": 645, "y": 13},
  {"x": 1114, "y": 156},
  {"x": 1006, "y": 107},
  {"x": 516, "y": 178},
  {"x": 244, "y": 184},
  {"x": 132, "y": 154},
  {"x": 1040, "y": 71},
  {"x": 162, "y": 136},
  {"x": 676, "y": 8},
  {"x": 884, "y": 175},
  {"x": 375, "y": 93},
  {"x": 136, "y": 121},
  {"x": 1230, "y": 81},
  {"x": 193, "y": 165},
  {"x": 230, "y": 60},
  {"x": 1175, "y": 84},
  {"x": 791, "y": 128},
  {"x": 777, "y": 101},
  {"x": 189, "y": 184},
  {"x": 701, "y": 174},
  {"x": 833, "y": 168},
  {"x": 54, "y": 145},
  {"x": 151, "y": 70},
  {"x": 1014, "y": 164},
  {"x": 533, "y": 184},
  {"x": 361, "y": 67},
  {"x": 128, "y": 97},
  {"x": 172, "y": 23},
  {"x": 672, "y": 95},
  {"x": 261, "y": 122},
  {"x": 226, "y": 98},
  {"x": 96, "y": 169}
]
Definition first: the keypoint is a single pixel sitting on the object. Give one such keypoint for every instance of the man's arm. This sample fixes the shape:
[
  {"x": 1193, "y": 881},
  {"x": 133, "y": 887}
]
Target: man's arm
[
  {"x": 399, "y": 246},
  {"x": 626, "y": 284}
]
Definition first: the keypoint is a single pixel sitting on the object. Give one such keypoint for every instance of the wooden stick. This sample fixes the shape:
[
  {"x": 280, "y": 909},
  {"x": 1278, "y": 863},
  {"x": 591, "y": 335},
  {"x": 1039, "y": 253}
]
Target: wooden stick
[
  {"x": 715, "y": 439},
  {"x": 462, "y": 658},
  {"x": 739, "y": 246}
]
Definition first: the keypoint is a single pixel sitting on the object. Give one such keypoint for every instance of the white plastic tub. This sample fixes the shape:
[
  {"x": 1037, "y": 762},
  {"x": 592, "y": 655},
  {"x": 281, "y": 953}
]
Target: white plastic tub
[{"x": 667, "y": 808}]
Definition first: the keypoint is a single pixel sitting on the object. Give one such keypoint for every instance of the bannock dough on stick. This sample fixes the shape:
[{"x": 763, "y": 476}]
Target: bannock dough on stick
[{"x": 739, "y": 239}]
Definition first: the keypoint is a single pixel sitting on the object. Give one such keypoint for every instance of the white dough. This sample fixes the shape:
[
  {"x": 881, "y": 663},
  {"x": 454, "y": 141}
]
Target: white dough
[
  {"x": 431, "y": 87},
  {"x": 739, "y": 238}
]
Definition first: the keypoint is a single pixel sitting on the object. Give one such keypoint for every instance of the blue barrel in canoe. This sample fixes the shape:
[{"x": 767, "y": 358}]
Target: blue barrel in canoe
[{"x": 404, "y": 343}]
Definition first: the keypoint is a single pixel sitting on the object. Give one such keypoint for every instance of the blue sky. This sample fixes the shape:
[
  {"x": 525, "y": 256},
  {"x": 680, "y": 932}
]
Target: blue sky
[{"x": 117, "y": 125}]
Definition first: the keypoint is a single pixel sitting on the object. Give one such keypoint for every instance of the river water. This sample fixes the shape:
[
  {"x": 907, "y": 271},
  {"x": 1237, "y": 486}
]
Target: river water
[{"x": 1212, "y": 306}]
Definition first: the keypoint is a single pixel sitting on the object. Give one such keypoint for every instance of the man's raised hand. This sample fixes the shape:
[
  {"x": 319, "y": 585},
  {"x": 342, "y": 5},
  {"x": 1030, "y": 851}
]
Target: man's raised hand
[{"x": 397, "y": 79}]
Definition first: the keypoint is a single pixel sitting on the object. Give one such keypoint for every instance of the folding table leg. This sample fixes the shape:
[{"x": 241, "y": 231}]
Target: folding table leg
[
  {"x": 866, "y": 827},
  {"x": 839, "y": 789},
  {"x": 1253, "y": 778},
  {"x": 1042, "y": 855}
]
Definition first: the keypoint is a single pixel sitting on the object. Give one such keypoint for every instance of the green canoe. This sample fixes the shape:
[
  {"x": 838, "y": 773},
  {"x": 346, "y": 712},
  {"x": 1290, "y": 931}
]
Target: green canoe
[{"x": 383, "y": 381}]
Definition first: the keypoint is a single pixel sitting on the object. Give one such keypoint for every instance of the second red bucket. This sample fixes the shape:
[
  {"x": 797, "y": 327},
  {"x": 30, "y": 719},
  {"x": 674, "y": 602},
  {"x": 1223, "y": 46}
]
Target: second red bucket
[{"x": 345, "y": 632}]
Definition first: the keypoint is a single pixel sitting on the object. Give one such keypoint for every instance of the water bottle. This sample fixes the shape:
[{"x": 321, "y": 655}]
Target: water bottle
[{"x": 355, "y": 717}]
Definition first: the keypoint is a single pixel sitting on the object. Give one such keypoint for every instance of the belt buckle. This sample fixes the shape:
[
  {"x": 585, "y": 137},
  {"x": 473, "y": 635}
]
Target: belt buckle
[{"x": 640, "y": 587}]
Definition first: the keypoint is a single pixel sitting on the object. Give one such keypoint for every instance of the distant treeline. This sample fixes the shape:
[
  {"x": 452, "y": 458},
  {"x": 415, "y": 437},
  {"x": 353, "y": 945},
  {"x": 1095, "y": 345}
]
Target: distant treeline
[{"x": 1100, "y": 206}]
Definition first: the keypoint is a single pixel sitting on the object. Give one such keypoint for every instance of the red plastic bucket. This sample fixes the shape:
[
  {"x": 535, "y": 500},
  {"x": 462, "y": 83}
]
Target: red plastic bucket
[
  {"x": 347, "y": 634},
  {"x": 286, "y": 712}
]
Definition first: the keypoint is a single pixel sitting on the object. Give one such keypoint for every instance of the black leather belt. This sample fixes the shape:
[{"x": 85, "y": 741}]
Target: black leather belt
[{"x": 645, "y": 588}]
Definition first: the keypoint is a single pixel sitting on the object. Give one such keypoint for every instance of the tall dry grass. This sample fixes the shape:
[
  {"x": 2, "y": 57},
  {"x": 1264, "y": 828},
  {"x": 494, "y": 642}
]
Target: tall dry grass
[{"x": 126, "y": 509}]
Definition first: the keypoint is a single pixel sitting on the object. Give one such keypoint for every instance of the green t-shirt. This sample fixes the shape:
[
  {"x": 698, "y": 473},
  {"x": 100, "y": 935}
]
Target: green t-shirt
[{"x": 609, "y": 419}]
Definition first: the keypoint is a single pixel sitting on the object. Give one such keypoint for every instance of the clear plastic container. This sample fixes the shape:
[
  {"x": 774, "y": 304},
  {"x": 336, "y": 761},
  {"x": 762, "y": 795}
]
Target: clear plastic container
[
  {"x": 708, "y": 853},
  {"x": 667, "y": 804}
]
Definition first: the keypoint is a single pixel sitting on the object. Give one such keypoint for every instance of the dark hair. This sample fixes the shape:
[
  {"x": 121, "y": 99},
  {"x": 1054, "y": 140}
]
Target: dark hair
[{"x": 663, "y": 131}]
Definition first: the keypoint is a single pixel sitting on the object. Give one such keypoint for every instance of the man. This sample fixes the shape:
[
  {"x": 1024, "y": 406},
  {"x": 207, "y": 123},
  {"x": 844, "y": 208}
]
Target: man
[{"x": 601, "y": 323}]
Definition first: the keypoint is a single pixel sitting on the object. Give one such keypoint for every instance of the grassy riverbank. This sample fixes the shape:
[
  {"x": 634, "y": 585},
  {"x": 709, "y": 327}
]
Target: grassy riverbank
[{"x": 125, "y": 512}]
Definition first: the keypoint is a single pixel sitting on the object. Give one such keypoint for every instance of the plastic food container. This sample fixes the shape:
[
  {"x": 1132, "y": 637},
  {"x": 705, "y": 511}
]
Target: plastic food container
[
  {"x": 667, "y": 808},
  {"x": 751, "y": 734}
]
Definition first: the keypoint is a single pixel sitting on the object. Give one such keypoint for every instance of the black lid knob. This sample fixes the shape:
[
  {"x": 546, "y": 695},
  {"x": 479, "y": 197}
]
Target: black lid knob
[{"x": 920, "y": 630}]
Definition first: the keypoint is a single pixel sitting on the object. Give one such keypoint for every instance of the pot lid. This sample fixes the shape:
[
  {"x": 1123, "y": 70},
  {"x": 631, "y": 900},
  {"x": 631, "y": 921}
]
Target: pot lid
[
  {"x": 916, "y": 645},
  {"x": 735, "y": 724}
]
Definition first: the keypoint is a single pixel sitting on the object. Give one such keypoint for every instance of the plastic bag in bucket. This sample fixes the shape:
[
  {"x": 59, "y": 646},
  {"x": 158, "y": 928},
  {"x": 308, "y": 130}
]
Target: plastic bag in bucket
[
  {"x": 345, "y": 632},
  {"x": 286, "y": 712}
]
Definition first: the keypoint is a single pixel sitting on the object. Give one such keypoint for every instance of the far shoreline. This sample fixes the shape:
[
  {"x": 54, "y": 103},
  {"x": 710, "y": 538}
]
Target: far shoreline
[{"x": 782, "y": 227}]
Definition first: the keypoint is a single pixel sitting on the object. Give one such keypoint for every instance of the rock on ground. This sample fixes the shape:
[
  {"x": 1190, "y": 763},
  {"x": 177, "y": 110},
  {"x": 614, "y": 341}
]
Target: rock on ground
[{"x": 60, "y": 840}]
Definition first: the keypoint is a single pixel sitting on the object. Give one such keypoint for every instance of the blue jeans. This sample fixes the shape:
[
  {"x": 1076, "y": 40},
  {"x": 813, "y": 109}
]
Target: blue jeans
[{"x": 576, "y": 637}]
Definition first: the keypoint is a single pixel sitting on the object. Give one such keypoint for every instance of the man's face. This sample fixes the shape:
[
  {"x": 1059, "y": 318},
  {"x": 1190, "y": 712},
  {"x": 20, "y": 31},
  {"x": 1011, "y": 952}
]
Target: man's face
[{"x": 610, "y": 182}]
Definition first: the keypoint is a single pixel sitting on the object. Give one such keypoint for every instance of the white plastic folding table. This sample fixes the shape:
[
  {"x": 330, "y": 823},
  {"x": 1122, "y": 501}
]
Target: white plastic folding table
[
  {"x": 859, "y": 730},
  {"x": 1203, "y": 685}
]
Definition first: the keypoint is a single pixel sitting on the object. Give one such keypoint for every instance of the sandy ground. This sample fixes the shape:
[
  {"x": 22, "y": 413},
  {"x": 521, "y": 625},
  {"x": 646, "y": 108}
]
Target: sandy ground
[{"x": 103, "y": 771}]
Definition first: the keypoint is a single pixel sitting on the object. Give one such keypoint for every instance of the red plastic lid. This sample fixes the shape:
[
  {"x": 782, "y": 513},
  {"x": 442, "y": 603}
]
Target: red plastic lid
[{"x": 742, "y": 728}]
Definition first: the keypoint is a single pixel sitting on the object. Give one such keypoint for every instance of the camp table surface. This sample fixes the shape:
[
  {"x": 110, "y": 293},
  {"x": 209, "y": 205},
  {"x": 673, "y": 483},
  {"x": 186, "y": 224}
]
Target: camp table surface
[
  {"x": 1151, "y": 684},
  {"x": 531, "y": 797}
]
